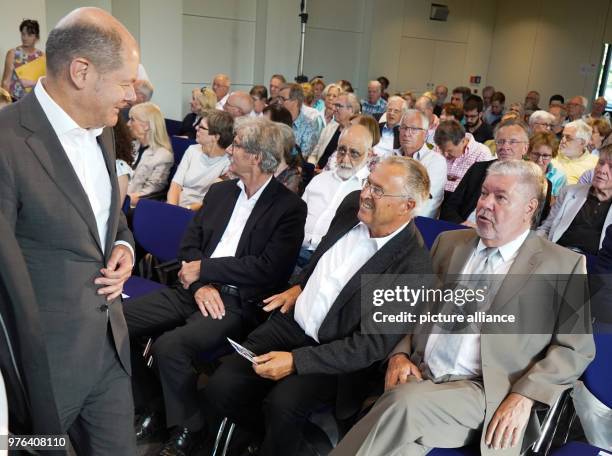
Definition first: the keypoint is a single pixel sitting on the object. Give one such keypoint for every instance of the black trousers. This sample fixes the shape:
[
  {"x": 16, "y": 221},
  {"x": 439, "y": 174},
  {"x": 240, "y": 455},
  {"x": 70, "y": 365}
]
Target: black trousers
[
  {"x": 280, "y": 409},
  {"x": 183, "y": 333}
]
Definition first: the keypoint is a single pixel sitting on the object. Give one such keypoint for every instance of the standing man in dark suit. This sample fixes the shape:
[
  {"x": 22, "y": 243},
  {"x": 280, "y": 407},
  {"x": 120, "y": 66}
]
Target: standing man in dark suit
[
  {"x": 240, "y": 247},
  {"x": 316, "y": 354},
  {"x": 59, "y": 193}
]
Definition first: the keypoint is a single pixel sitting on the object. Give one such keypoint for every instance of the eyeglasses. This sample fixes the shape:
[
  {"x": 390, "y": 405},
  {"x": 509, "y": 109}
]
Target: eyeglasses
[
  {"x": 340, "y": 106},
  {"x": 378, "y": 192},
  {"x": 546, "y": 125},
  {"x": 282, "y": 99},
  {"x": 567, "y": 138},
  {"x": 236, "y": 145},
  {"x": 410, "y": 130},
  {"x": 509, "y": 142},
  {"x": 394, "y": 111},
  {"x": 537, "y": 157},
  {"x": 200, "y": 127},
  {"x": 353, "y": 154}
]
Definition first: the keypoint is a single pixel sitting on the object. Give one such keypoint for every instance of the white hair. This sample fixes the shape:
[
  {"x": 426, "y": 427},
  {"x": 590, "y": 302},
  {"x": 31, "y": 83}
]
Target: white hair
[
  {"x": 416, "y": 112},
  {"x": 583, "y": 130},
  {"x": 398, "y": 98},
  {"x": 416, "y": 179},
  {"x": 541, "y": 116}
]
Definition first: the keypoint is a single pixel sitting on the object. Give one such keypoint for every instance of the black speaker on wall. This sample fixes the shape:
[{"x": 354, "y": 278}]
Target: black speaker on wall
[{"x": 439, "y": 12}]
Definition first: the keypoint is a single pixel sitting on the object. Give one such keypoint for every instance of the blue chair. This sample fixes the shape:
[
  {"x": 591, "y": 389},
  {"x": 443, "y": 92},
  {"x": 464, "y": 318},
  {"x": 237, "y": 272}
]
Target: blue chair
[
  {"x": 126, "y": 204},
  {"x": 179, "y": 146},
  {"x": 158, "y": 228},
  {"x": 431, "y": 228},
  {"x": 173, "y": 126}
]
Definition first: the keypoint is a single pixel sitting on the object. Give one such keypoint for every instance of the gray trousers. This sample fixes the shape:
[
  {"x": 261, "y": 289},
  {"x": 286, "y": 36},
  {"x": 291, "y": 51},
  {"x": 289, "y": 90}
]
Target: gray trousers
[{"x": 412, "y": 418}]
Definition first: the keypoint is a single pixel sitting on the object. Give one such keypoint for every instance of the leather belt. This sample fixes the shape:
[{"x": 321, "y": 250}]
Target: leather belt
[{"x": 230, "y": 290}]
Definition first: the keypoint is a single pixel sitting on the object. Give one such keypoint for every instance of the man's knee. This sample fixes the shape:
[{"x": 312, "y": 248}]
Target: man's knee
[
  {"x": 403, "y": 398},
  {"x": 169, "y": 345}
]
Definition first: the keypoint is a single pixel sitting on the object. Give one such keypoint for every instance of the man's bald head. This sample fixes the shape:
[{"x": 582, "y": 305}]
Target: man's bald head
[
  {"x": 91, "y": 34},
  {"x": 238, "y": 104}
]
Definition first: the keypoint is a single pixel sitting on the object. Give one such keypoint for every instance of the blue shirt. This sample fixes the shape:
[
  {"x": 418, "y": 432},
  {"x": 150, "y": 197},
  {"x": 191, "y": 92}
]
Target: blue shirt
[
  {"x": 377, "y": 108},
  {"x": 557, "y": 178},
  {"x": 306, "y": 133}
]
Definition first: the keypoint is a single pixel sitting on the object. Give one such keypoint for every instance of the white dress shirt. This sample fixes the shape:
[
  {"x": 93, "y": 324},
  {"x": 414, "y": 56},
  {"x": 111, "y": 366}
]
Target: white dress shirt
[
  {"x": 221, "y": 102},
  {"x": 85, "y": 156},
  {"x": 331, "y": 274},
  {"x": 436, "y": 167},
  {"x": 384, "y": 148},
  {"x": 323, "y": 195},
  {"x": 469, "y": 362},
  {"x": 233, "y": 232}
]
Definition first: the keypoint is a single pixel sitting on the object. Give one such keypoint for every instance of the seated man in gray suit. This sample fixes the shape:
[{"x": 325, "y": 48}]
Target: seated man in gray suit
[
  {"x": 316, "y": 353},
  {"x": 487, "y": 390}
]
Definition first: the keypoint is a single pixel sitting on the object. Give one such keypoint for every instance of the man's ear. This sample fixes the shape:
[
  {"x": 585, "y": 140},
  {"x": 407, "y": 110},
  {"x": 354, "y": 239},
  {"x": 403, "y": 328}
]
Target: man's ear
[
  {"x": 532, "y": 207},
  {"x": 79, "y": 71}
]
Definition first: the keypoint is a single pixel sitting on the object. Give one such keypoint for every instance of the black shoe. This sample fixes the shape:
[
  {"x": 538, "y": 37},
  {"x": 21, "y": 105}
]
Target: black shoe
[
  {"x": 182, "y": 442},
  {"x": 149, "y": 426}
]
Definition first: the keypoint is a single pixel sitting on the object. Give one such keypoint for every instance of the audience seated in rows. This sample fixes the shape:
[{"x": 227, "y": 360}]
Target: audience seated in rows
[
  {"x": 326, "y": 190},
  {"x": 202, "y": 100},
  {"x": 313, "y": 352},
  {"x": 152, "y": 149},
  {"x": 203, "y": 163},
  {"x": 581, "y": 214},
  {"x": 573, "y": 157},
  {"x": 413, "y": 133},
  {"x": 240, "y": 248},
  {"x": 461, "y": 151},
  {"x": 450, "y": 390}
]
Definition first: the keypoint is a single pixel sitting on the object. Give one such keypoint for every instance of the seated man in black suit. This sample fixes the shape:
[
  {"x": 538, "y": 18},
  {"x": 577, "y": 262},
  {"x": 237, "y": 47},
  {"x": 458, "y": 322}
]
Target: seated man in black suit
[
  {"x": 512, "y": 142},
  {"x": 315, "y": 354},
  {"x": 240, "y": 247}
]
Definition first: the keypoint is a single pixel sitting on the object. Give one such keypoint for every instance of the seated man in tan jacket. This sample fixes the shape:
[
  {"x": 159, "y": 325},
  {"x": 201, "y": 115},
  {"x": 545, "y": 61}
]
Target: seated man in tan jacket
[{"x": 450, "y": 390}]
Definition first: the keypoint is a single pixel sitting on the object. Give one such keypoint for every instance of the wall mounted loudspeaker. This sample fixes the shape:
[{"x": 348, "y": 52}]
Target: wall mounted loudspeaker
[{"x": 439, "y": 12}]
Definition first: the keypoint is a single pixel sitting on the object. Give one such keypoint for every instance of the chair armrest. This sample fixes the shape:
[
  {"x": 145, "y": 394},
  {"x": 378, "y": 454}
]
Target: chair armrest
[{"x": 550, "y": 424}]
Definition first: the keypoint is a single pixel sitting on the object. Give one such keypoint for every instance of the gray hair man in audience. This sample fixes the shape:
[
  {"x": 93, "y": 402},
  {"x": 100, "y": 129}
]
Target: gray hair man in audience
[
  {"x": 374, "y": 103},
  {"x": 326, "y": 191},
  {"x": 426, "y": 106},
  {"x": 276, "y": 82},
  {"x": 540, "y": 121},
  {"x": 576, "y": 107},
  {"x": 487, "y": 94},
  {"x": 598, "y": 109},
  {"x": 238, "y": 104},
  {"x": 221, "y": 86},
  {"x": 413, "y": 135},
  {"x": 144, "y": 91},
  {"x": 449, "y": 389},
  {"x": 389, "y": 128},
  {"x": 441, "y": 92},
  {"x": 574, "y": 158},
  {"x": 305, "y": 129},
  {"x": 532, "y": 100},
  {"x": 581, "y": 214}
]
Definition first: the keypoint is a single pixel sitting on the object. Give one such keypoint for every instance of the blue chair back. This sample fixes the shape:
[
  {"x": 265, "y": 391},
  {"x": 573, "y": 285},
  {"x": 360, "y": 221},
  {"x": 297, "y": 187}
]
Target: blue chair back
[
  {"x": 431, "y": 228},
  {"x": 173, "y": 126},
  {"x": 179, "y": 146},
  {"x": 126, "y": 204},
  {"x": 159, "y": 227},
  {"x": 598, "y": 375}
]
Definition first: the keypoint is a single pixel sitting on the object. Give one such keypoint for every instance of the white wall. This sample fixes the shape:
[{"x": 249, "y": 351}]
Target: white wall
[
  {"x": 12, "y": 16},
  {"x": 553, "y": 46},
  {"x": 56, "y": 9}
]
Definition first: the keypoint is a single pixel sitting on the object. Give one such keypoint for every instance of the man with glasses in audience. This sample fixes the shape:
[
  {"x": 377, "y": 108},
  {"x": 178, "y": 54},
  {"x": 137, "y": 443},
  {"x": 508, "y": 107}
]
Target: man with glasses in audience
[
  {"x": 389, "y": 128},
  {"x": 574, "y": 158},
  {"x": 511, "y": 141},
  {"x": 413, "y": 132},
  {"x": 581, "y": 215},
  {"x": 313, "y": 353},
  {"x": 305, "y": 129},
  {"x": 238, "y": 104},
  {"x": 326, "y": 190},
  {"x": 221, "y": 86},
  {"x": 240, "y": 248},
  {"x": 540, "y": 122},
  {"x": 474, "y": 121},
  {"x": 375, "y": 103}
]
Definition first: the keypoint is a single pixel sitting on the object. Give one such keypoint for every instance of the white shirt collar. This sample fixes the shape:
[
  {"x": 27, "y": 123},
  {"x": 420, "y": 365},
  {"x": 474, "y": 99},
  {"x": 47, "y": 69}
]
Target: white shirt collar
[
  {"x": 61, "y": 122},
  {"x": 508, "y": 250},
  {"x": 257, "y": 194},
  {"x": 424, "y": 150},
  {"x": 381, "y": 241}
]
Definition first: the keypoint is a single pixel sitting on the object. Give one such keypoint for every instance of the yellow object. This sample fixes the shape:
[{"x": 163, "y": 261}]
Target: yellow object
[{"x": 32, "y": 70}]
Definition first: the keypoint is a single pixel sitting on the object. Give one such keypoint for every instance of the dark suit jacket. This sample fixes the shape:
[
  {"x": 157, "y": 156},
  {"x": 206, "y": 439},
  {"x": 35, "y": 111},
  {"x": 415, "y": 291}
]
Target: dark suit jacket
[
  {"x": 344, "y": 350},
  {"x": 187, "y": 127},
  {"x": 26, "y": 373},
  {"x": 604, "y": 257},
  {"x": 50, "y": 214},
  {"x": 458, "y": 205},
  {"x": 268, "y": 247},
  {"x": 396, "y": 141}
]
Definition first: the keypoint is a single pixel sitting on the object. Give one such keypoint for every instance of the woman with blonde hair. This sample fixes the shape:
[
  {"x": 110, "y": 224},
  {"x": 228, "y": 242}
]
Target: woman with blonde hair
[
  {"x": 153, "y": 151},
  {"x": 202, "y": 100}
]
